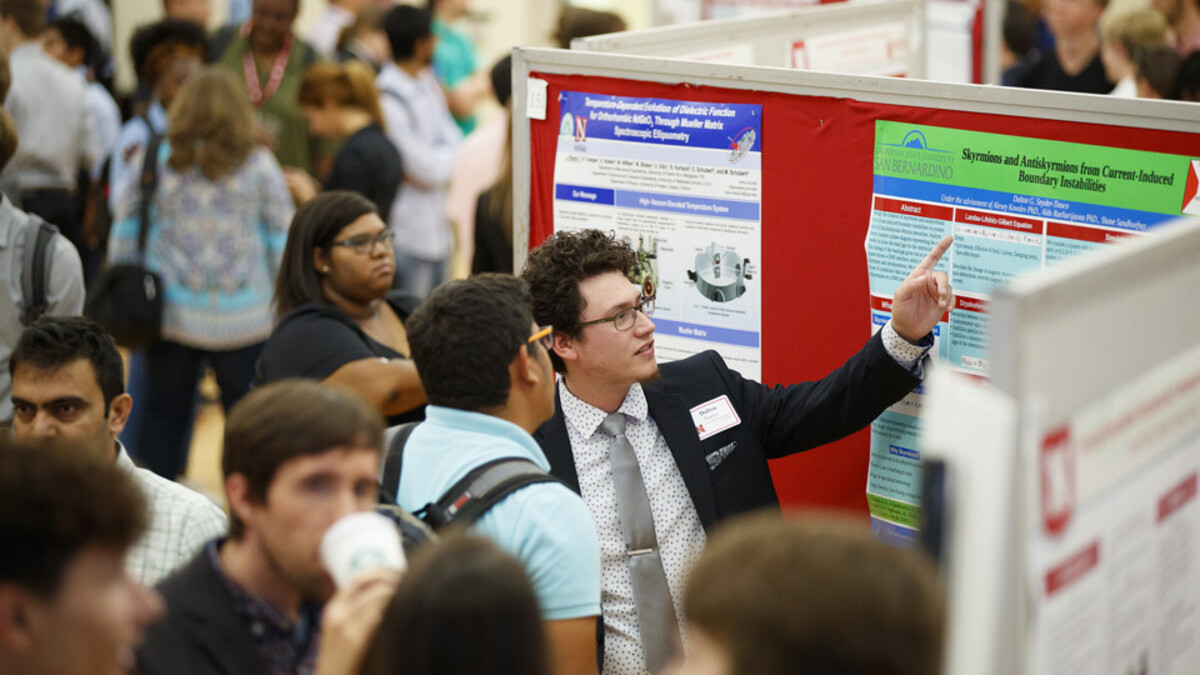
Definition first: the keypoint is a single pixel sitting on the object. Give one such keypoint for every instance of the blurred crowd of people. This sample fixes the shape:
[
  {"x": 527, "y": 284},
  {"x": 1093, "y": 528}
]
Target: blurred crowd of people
[
  {"x": 246, "y": 123},
  {"x": 1086, "y": 46}
]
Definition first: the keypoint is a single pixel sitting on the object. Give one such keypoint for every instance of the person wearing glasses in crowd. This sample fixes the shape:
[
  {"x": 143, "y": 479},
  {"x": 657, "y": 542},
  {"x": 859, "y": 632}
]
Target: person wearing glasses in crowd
[
  {"x": 487, "y": 371},
  {"x": 662, "y": 454},
  {"x": 339, "y": 319}
]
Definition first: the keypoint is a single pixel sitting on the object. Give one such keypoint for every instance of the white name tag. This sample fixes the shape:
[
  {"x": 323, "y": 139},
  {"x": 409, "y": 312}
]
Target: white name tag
[{"x": 713, "y": 417}]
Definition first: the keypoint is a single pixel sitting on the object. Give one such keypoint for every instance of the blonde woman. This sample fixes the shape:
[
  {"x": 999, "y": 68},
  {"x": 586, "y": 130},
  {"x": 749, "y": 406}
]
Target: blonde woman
[
  {"x": 340, "y": 102},
  {"x": 217, "y": 227}
]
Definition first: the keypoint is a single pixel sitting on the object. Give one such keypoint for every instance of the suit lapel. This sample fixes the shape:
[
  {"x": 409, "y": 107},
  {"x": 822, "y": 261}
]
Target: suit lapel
[
  {"x": 555, "y": 442},
  {"x": 675, "y": 424}
]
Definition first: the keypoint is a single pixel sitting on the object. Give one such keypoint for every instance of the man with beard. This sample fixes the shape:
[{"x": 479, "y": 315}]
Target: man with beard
[
  {"x": 662, "y": 455},
  {"x": 298, "y": 456}
]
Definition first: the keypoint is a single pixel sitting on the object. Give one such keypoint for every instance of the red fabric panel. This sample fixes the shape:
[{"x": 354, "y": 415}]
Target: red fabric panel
[{"x": 817, "y": 179}]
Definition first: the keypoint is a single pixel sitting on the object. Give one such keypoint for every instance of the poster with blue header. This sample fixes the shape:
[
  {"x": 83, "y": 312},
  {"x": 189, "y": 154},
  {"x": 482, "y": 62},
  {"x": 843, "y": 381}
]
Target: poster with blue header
[{"x": 681, "y": 182}]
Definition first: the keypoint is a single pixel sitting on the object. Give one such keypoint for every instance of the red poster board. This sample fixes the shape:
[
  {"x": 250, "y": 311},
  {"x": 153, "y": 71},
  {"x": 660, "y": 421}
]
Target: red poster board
[{"x": 816, "y": 194}]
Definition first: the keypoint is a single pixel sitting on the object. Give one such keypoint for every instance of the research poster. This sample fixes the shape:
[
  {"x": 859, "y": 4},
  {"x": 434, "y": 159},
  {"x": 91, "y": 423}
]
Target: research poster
[
  {"x": 882, "y": 49},
  {"x": 1113, "y": 561},
  {"x": 681, "y": 182},
  {"x": 1013, "y": 204}
]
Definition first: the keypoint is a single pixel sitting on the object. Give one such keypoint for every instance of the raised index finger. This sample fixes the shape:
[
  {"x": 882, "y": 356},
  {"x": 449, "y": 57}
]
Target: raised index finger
[{"x": 934, "y": 256}]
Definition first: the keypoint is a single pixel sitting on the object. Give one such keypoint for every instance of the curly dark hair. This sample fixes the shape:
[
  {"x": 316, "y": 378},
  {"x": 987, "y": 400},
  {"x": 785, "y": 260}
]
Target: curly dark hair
[
  {"x": 58, "y": 501},
  {"x": 554, "y": 270}
]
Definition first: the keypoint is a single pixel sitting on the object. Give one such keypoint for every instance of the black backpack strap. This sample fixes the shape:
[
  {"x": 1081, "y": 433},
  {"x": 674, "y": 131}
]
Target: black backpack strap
[
  {"x": 481, "y": 489},
  {"x": 389, "y": 479},
  {"x": 35, "y": 271},
  {"x": 413, "y": 531},
  {"x": 147, "y": 184}
]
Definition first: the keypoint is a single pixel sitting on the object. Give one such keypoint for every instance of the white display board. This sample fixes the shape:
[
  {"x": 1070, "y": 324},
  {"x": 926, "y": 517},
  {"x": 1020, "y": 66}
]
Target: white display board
[
  {"x": 879, "y": 38},
  {"x": 1093, "y": 421}
]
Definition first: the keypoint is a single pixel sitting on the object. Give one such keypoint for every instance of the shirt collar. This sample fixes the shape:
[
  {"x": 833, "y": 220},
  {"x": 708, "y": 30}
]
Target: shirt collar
[
  {"x": 393, "y": 78},
  {"x": 123, "y": 459},
  {"x": 586, "y": 418},
  {"x": 252, "y": 608},
  {"x": 490, "y": 425}
]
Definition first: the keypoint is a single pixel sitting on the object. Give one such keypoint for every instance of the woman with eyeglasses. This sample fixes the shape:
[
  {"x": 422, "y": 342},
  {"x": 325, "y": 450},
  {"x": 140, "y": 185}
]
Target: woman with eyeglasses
[{"x": 339, "y": 319}]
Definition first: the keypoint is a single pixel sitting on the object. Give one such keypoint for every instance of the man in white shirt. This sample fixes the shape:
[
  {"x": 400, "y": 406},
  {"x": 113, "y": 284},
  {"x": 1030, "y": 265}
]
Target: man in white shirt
[
  {"x": 68, "y": 385},
  {"x": 420, "y": 125},
  {"x": 48, "y": 104}
]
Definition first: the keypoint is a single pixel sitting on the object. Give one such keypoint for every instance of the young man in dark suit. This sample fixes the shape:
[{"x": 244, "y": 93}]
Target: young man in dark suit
[{"x": 660, "y": 455}]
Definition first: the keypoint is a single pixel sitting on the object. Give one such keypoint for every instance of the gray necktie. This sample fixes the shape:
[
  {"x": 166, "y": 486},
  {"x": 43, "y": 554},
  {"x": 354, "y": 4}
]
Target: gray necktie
[{"x": 657, "y": 623}]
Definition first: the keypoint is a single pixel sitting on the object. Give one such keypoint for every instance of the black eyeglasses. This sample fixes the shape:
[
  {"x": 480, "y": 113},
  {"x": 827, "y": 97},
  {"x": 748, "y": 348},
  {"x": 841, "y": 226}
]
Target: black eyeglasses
[
  {"x": 365, "y": 243},
  {"x": 544, "y": 337},
  {"x": 624, "y": 319}
]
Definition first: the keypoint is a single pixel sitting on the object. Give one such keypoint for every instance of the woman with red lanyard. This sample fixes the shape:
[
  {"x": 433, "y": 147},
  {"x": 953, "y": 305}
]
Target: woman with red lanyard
[{"x": 270, "y": 59}]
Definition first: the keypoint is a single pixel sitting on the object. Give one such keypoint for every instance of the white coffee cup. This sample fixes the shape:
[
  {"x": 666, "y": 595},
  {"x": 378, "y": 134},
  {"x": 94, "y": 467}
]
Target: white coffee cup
[{"x": 361, "y": 542}]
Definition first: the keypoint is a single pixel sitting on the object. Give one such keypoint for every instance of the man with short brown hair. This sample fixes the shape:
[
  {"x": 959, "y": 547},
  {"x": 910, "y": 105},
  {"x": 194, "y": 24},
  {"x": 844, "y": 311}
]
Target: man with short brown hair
[
  {"x": 299, "y": 455},
  {"x": 818, "y": 594}
]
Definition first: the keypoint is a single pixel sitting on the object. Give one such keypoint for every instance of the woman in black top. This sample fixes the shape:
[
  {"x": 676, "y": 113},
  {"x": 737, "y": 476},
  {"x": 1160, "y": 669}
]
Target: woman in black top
[
  {"x": 340, "y": 322},
  {"x": 340, "y": 102}
]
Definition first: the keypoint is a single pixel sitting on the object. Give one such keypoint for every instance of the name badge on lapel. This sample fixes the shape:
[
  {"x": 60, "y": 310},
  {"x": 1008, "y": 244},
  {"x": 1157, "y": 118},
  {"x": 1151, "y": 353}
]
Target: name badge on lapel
[{"x": 712, "y": 417}]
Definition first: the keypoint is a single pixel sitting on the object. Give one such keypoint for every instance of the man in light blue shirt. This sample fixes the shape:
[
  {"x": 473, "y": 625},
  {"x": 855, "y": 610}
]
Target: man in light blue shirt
[{"x": 489, "y": 385}]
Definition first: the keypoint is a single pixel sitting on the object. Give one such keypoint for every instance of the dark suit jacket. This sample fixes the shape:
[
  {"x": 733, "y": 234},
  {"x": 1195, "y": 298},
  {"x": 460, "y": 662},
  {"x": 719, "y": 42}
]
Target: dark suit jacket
[
  {"x": 775, "y": 422},
  {"x": 200, "y": 635}
]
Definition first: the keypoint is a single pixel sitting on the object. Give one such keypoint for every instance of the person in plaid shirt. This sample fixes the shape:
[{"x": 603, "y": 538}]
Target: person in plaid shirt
[{"x": 68, "y": 385}]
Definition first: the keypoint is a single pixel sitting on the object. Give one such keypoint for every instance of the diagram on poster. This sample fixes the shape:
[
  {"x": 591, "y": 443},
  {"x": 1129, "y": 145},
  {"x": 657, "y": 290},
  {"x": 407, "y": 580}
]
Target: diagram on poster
[
  {"x": 681, "y": 182},
  {"x": 1012, "y": 204}
]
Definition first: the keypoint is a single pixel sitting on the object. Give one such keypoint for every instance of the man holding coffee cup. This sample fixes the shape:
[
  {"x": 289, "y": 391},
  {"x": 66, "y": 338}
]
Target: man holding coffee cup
[{"x": 298, "y": 457}]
